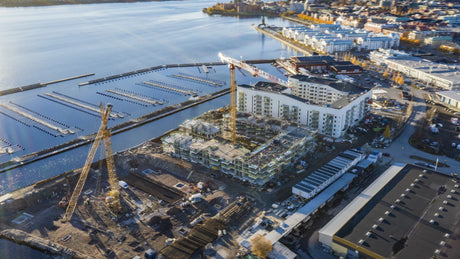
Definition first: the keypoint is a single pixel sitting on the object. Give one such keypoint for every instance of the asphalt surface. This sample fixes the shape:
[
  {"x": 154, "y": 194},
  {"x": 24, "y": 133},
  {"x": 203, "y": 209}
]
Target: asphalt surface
[{"x": 400, "y": 149}]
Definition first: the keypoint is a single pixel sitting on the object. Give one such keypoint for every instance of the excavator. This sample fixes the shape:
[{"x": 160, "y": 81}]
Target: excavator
[{"x": 113, "y": 197}]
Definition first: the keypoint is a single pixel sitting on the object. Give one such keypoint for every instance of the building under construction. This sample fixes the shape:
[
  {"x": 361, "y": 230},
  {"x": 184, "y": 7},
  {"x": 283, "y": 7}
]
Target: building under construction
[{"x": 264, "y": 148}]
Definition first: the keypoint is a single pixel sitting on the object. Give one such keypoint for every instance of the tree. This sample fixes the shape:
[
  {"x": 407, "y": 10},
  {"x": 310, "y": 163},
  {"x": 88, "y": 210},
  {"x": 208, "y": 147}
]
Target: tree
[
  {"x": 260, "y": 246},
  {"x": 387, "y": 133}
]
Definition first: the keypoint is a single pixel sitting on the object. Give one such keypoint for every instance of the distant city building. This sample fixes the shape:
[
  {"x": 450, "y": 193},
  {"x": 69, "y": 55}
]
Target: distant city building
[
  {"x": 433, "y": 74},
  {"x": 331, "y": 38}
]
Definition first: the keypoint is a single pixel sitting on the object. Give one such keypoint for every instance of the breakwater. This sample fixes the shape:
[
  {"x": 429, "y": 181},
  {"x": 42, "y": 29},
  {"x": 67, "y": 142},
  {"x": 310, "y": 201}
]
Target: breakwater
[
  {"x": 39, "y": 85},
  {"x": 167, "y": 111},
  {"x": 151, "y": 69},
  {"x": 24, "y": 238}
]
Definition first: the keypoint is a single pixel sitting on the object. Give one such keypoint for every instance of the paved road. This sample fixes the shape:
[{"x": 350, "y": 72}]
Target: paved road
[{"x": 401, "y": 150}]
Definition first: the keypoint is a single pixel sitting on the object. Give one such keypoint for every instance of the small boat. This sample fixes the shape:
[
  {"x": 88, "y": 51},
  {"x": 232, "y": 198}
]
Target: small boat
[{"x": 194, "y": 97}]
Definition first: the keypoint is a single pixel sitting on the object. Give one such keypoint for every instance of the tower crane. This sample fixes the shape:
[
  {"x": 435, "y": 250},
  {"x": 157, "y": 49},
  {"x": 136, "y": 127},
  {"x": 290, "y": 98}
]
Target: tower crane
[
  {"x": 113, "y": 199},
  {"x": 254, "y": 71}
]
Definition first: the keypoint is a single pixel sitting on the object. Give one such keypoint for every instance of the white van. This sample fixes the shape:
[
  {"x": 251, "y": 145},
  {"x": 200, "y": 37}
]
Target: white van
[{"x": 123, "y": 184}]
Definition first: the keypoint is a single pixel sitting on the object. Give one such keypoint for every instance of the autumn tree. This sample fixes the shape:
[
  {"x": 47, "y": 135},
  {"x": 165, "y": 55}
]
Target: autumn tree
[{"x": 260, "y": 246}]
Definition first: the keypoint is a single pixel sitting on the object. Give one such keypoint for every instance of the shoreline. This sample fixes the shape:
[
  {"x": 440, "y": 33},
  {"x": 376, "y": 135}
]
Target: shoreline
[{"x": 40, "y": 3}]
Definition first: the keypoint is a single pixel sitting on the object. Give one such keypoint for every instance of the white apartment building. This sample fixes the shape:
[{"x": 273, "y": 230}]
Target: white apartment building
[
  {"x": 331, "y": 119},
  {"x": 433, "y": 74},
  {"x": 331, "y": 38}
]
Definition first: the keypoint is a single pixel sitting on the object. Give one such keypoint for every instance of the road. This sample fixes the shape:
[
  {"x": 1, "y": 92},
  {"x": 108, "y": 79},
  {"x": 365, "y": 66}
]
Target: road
[{"x": 401, "y": 150}]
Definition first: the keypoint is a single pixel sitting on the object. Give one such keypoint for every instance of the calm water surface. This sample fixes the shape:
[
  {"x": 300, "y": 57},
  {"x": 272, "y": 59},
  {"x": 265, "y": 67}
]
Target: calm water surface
[{"x": 48, "y": 43}]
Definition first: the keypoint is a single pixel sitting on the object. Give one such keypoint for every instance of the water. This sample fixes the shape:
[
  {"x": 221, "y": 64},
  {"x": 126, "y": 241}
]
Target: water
[
  {"x": 9, "y": 249},
  {"x": 48, "y": 43}
]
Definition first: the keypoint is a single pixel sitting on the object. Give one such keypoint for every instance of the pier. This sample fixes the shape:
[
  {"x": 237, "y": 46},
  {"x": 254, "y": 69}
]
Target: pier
[
  {"x": 92, "y": 108},
  {"x": 198, "y": 79},
  {"x": 38, "y": 120},
  {"x": 39, "y": 85},
  {"x": 185, "y": 92},
  {"x": 135, "y": 97}
]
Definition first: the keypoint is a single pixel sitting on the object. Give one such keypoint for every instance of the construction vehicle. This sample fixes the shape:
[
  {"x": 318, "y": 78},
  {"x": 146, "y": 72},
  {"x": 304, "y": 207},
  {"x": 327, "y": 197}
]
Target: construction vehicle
[
  {"x": 65, "y": 200},
  {"x": 254, "y": 71},
  {"x": 113, "y": 198}
]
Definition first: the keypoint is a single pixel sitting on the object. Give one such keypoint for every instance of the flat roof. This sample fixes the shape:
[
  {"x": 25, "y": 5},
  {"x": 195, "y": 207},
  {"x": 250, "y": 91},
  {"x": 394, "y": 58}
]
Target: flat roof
[
  {"x": 303, "y": 213},
  {"x": 334, "y": 225},
  {"x": 455, "y": 95},
  {"x": 336, "y": 84},
  {"x": 420, "y": 205}
]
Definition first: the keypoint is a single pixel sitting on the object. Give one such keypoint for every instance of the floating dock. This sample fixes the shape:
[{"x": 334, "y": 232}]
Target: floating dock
[
  {"x": 38, "y": 120},
  {"x": 79, "y": 103},
  {"x": 134, "y": 96},
  {"x": 199, "y": 79},
  {"x": 184, "y": 92}
]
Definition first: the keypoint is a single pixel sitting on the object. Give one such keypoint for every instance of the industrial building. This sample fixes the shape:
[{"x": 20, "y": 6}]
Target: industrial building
[
  {"x": 449, "y": 98},
  {"x": 433, "y": 74},
  {"x": 282, "y": 146},
  {"x": 408, "y": 212},
  {"x": 323, "y": 177},
  {"x": 328, "y": 106},
  {"x": 320, "y": 64}
]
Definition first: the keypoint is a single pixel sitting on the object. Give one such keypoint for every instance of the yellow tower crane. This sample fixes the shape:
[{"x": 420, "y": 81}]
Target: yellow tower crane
[
  {"x": 232, "y": 63},
  {"x": 113, "y": 199}
]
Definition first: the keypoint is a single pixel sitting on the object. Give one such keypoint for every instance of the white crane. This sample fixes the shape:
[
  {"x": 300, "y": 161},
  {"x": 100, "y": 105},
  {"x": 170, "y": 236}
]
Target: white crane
[{"x": 254, "y": 71}]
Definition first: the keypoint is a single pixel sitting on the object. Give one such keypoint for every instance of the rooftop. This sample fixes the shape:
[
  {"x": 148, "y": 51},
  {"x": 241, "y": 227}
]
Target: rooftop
[
  {"x": 413, "y": 203},
  {"x": 336, "y": 84},
  {"x": 455, "y": 95}
]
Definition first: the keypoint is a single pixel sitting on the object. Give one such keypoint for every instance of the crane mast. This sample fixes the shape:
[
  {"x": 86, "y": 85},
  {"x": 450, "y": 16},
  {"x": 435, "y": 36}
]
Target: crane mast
[
  {"x": 102, "y": 134},
  {"x": 232, "y": 63}
]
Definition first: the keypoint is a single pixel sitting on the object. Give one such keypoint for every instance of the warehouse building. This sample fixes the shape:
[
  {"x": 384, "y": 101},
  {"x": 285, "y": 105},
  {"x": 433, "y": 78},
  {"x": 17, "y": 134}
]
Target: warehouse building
[
  {"x": 433, "y": 74},
  {"x": 408, "y": 212},
  {"x": 323, "y": 177}
]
